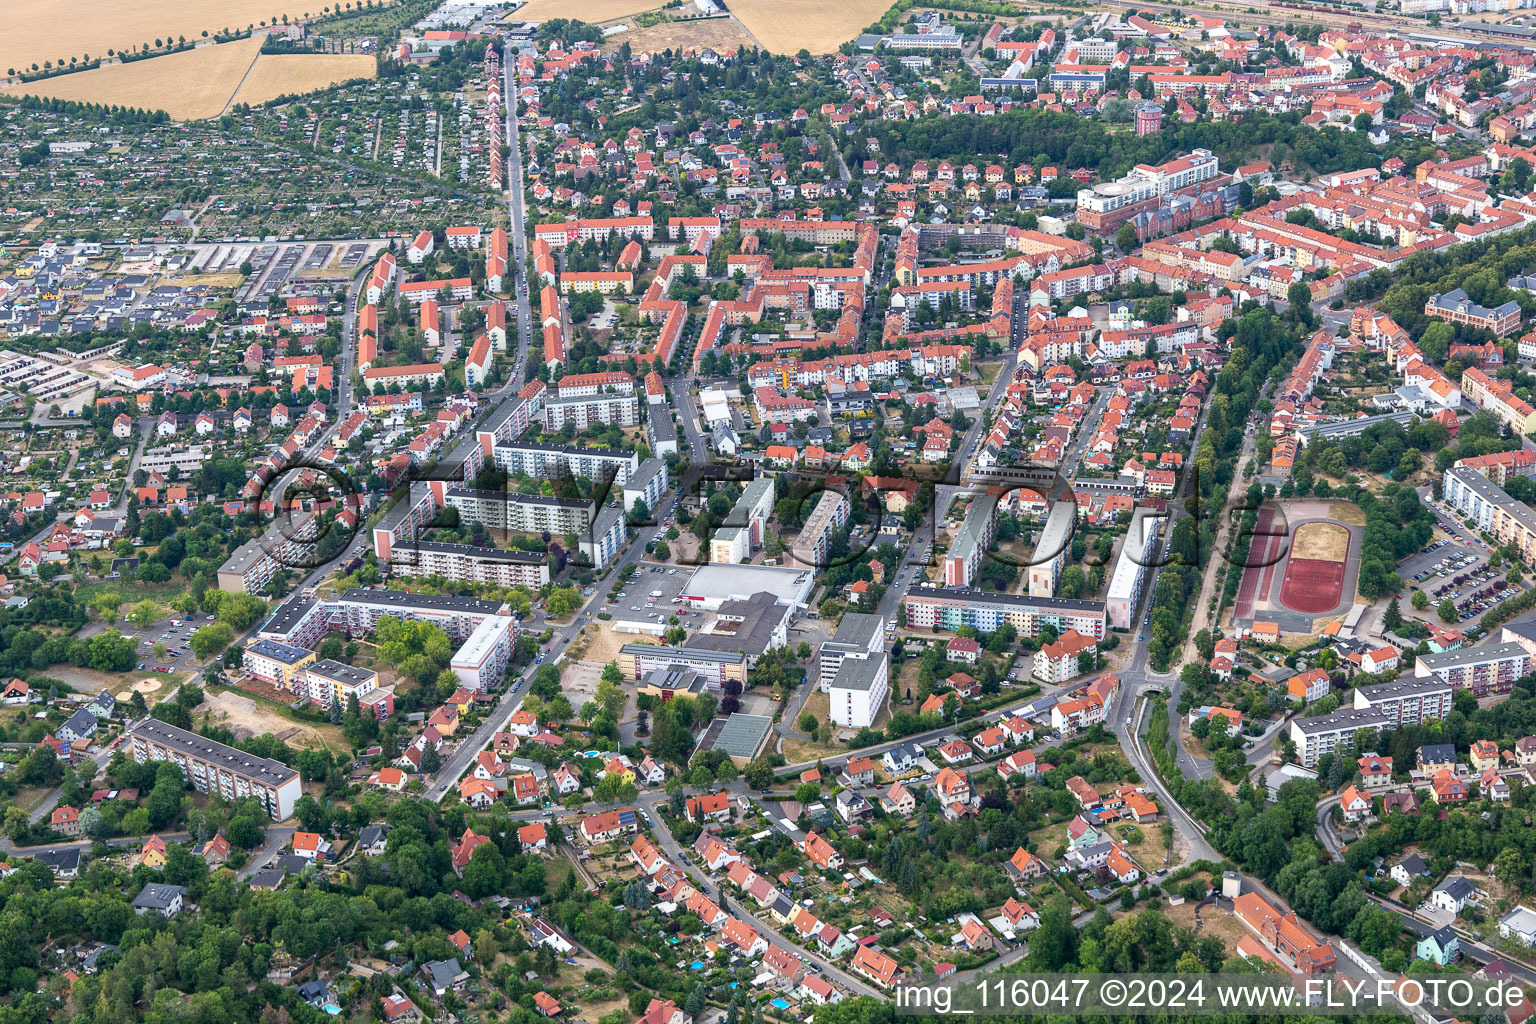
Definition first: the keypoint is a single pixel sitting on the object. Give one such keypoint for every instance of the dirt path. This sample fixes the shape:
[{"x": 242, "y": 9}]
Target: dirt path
[{"x": 241, "y": 84}]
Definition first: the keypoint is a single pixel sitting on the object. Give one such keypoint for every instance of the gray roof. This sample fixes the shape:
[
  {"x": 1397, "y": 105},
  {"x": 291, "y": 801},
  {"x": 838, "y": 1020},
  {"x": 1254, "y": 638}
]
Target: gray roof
[
  {"x": 370, "y": 834},
  {"x": 338, "y": 672},
  {"x": 1342, "y": 719},
  {"x": 285, "y": 653},
  {"x": 59, "y": 861},
  {"x": 288, "y": 615},
  {"x": 760, "y": 616},
  {"x": 1459, "y": 299},
  {"x": 81, "y": 723},
  {"x": 158, "y": 896},
  {"x": 268, "y": 878},
  {"x": 404, "y": 599},
  {"x": 859, "y": 673},
  {"x": 683, "y": 654},
  {"x": 1457, "y": 887},
  {"x": 444, "y": 973},
  {"x": 1413, "y": 864},
  {"x": 1442, "y": 936},
  {"x": 1437, "y": 752},
  {"x": 857, "y": 629},
  {"x": 262, "y": 769},
  {"x": 743, "y": 735},
  {"x": 1471, "y": 655}
]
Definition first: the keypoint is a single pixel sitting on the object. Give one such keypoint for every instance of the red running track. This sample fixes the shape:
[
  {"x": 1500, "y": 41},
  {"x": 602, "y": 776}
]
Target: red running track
[
  {"x": 1312, "y": 585},
  {"x": 1258, "y": 555}
]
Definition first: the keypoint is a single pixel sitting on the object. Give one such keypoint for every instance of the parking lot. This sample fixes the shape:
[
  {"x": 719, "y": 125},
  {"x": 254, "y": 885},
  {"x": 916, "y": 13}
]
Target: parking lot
[
  {"x": 176, "y": 634},
  {"x": 1429, "y": 560},
  {"x": 653, "y": 593},
  {"x": 1456, "y": 573}
]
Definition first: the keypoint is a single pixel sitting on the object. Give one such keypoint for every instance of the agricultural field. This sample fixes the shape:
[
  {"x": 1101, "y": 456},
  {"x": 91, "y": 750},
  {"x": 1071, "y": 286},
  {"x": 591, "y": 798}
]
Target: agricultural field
[
  {"x": 34, "y": 32},
  {"x": 593, "y": 12},
  {"x": 294, "y": 73},
  {"x": 718, "y": 34},
  {"x": 788, "y": 26},
  {"x": 189, "y": 85}
]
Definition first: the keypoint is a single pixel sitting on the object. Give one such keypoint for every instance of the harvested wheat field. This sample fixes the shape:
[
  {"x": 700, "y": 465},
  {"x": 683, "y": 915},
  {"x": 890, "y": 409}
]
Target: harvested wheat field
[
  {"x": 39, "y": 30},
  {"x": 1328, "y": 541},
  {"x": 718, "y": 34},
  {"x": 788, "y": 26},
  {"x": 188, "y": 85},
  {"x": 285, "y": 74},
  {"x": 591, "y": 11}
]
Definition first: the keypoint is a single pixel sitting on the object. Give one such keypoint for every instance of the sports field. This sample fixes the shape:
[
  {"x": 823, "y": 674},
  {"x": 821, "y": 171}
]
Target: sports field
[
  {"x": 788, "y": 26},
  {"x": 1328, "y": 541},
  {"x": 1314, "y": 573},
  {"x": 39, "y": 30},
  {"x": 188, "y": 85},
  {"x": 283, "y": 74}
]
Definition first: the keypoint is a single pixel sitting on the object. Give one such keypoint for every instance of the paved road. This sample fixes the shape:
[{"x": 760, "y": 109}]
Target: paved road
[
  {"x": 517, "y": 259},
  {"x": 1470, "y": 947},
  {"x": 651, "y": 802}
]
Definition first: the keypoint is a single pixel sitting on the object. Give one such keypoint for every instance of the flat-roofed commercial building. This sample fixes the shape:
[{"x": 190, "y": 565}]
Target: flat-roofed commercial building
[
  {"x": 712, "y": 585},
  {"x": 218, "y": 769},
  {"x": 637, "y": 661},
  {"x": 952, "y": 607}
]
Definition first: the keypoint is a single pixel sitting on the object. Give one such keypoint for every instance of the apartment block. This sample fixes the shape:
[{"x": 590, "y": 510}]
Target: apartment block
[
  {"x": 1484, "y": 669},
  {"x": 218, "y": 769},
  {"x": 1315, "y": 737},
  {"x": 952, "y": 607}
]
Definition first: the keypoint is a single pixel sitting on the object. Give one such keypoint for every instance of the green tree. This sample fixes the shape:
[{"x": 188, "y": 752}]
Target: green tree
[
  {"x": 758, "y": 774},
  {"x": 1393, "y": 617},
  {"x": 211, "y": 639},
  {"x": 1447, "y": 611},
  {"x": 144, "y": 614}
]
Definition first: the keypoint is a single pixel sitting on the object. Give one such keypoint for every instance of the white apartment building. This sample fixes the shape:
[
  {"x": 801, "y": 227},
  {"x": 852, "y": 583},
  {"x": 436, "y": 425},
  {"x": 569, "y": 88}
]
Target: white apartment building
[{"x": 857, "y": 692}]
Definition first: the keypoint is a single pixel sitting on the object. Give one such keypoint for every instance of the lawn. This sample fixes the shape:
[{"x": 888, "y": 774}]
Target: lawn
[
  {"x": 1049, "y": 838},
  {"x": 131, "y": 591},
  {"x": 1148, "y": 850}
]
